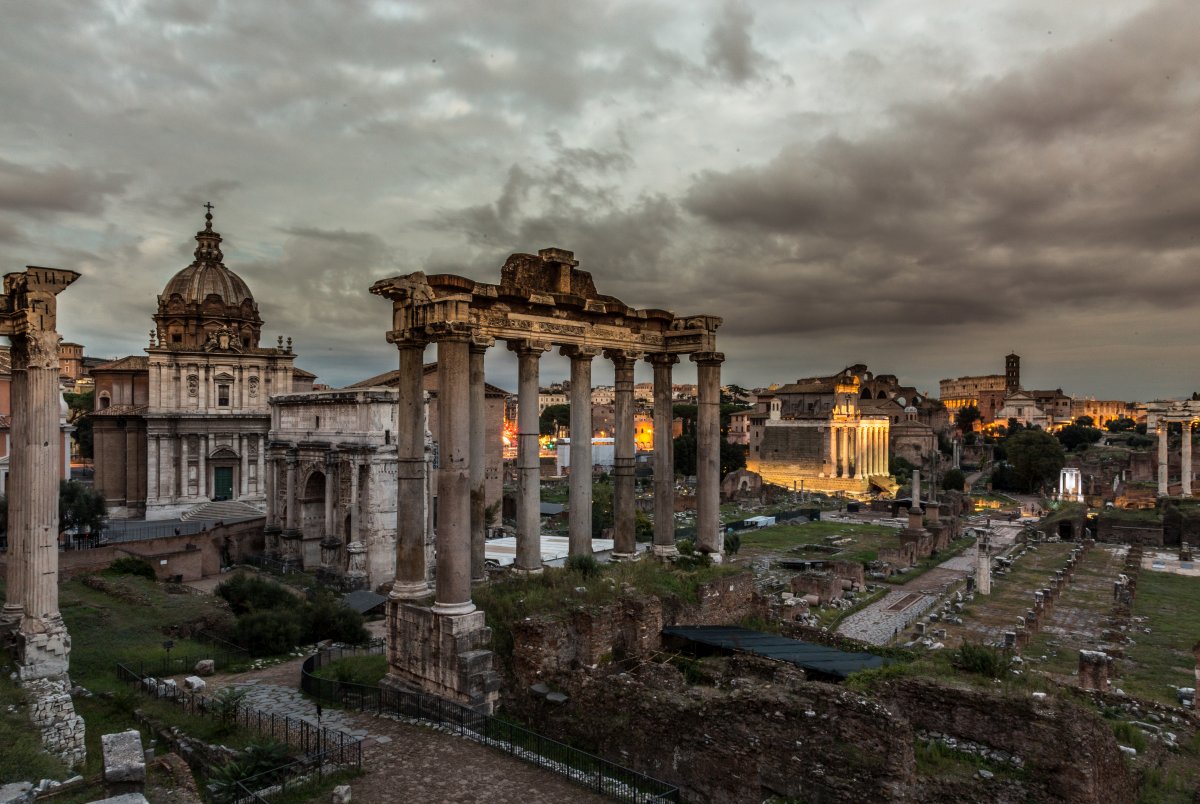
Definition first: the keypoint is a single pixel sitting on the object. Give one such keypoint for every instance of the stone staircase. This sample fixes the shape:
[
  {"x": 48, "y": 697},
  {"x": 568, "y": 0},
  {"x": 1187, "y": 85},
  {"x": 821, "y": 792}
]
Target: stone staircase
[{"x": 223, "y": 511}]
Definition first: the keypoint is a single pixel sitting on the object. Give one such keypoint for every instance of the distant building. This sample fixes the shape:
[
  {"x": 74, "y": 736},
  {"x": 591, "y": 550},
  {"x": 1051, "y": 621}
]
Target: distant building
[
  {"x": 986, "y": 392},
  {"x": 1103, "y": 411}
]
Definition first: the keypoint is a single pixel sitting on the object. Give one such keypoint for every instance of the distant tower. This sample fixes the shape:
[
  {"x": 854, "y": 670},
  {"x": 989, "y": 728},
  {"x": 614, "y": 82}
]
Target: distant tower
[{"x": 1012, "y": 374}]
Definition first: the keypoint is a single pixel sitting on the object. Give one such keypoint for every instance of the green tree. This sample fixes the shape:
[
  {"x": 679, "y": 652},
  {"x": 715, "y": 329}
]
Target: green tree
[
  {"x": 733, "y": 456},
  {"x": 602, "y": 508},
  {"x": 685, "y": 454},
  {"x": 1085, "y": 421},
  {"x": 954, "y": 480},
  {"x": 553, "y": 417},
  {"x": 1075, "y": 435},
  {"x": 967, "y": 416},
  {"x": 80, "y": 508},
  {"x": 1036, "y": 457},
  {"x": 1120, "y": 425}
]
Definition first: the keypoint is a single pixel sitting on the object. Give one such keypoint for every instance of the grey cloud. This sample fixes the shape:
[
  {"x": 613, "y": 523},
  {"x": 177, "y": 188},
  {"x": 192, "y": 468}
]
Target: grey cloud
[
  {"x": 57, "y": 188},
  {"x": 729, "y": 49}
]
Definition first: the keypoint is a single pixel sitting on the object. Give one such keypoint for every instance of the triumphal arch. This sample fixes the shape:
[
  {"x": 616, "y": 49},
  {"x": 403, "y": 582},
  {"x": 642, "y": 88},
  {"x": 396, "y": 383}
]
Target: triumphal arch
[{"x": 542, "y": 302}]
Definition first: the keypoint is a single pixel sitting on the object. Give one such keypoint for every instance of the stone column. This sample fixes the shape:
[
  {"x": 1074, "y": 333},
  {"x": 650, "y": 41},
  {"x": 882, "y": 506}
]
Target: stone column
[
  {"x": 184, "y": 485},
  {"x": 453, "y": 592},
  {"x": 292, "y": 509},
  {"x": 411, "y": 580},
  {"x": 916, "y": 517},
  {"x": 355, "y": 501},
  {"x": 202, "y": 469},
  {"x": 1185, "y": 474},
  {"x": 478, "y": 405},
  {"x": 833, "y": 451},
  {"x": 1163, "y": 429},
  {"x": 330, "y": 493},
  {"x": 18, "y": 515},
  {"x": 664, "y": 463},
  {"x": 983, "y": 567},
  {"x": 580, "y": 513},
  {"x": 844, "y": 450},
  {"x": 43, "y": 647},
  {"x": 529, "y": 466},
  {"x": 244, "y": 468},
  {"x": 708, "y": 452},
  {"x": 624, "y": 535},
  {"x": 859, "y": 457}
]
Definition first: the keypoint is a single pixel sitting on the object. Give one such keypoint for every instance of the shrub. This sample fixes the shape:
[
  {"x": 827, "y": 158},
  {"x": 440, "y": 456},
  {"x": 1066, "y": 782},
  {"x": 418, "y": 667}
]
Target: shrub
[
  {"x": 326, "y": 618},
  {"x": 981, "y": 660},
  {"x": 733, "y": 543},
  {"x": 131, "y": 565},
  {"x": 248, "y": 593},
  {"x": 585, "y": 565},
  {"x": 686, "y": 547},
  {"x": 257, "y": 758},
  {"x": 270, "y": 631}
]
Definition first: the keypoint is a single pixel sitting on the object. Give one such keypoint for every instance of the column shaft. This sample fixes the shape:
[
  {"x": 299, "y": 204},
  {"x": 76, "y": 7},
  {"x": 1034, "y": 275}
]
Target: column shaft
[
  {"x": 411, "y": 476},
  {"x": 580, "y": 514},
  {"x": 833, "y": 452},
  {"x": 529, "y": 492},
  {"x": 844, "y": 449},
  {"x": 1163, "y": 429},
  {"x": 454, "y": 477},
  {"x": 1185, "y": 469},
  {"x": 262, "y": 465},
  {"x": 18, "y": 515},
  {"x": 244, "y": 465},
  {"x": 293, "y": 506},
  {"x": 202, "y": 477},
  {"x": 330, "y": 494},
  {"x": 37, "y": 456},
  {"x": 708, "y": 452},
  {"x": 183, "y": 466},
  {"x": 478, "y": 404},
  {"x": 624, "y": 531},
  {"x": 664, "y": 464}
]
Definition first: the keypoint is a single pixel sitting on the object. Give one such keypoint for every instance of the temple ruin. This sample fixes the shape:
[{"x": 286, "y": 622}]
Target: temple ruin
[{"x": 543, "y": 301}]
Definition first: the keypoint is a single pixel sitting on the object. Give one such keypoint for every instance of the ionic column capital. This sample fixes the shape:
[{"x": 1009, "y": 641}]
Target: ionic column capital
[
  {"x": 451, "y": 331},
  {"x": 577, "y": 352},
  {"x": 525, "y": 347},
  {"x": 662, "y": 359},
  {"x": 707, "y": 358},
  {"x": 481, "y": 343}
]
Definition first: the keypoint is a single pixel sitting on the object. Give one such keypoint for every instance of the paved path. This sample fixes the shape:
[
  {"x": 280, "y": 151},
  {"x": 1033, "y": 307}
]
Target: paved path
[{"x": 411, "y": 763}]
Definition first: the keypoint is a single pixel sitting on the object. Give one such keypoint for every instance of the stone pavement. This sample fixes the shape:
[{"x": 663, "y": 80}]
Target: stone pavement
[{"x": 288, "y": 701}]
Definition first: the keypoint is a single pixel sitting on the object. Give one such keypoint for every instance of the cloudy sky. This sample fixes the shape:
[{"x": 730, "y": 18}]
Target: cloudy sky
[{"x": 919, "y": 186}]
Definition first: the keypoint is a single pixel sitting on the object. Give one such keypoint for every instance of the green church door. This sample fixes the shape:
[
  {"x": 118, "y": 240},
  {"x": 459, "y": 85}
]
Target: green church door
[{"x": 223, "y": 482}]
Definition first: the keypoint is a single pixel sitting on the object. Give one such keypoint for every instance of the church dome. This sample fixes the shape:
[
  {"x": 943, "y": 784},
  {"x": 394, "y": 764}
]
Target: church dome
[
  {"x": 207, "y": 275},
  {"x": 206, "y": 305}
]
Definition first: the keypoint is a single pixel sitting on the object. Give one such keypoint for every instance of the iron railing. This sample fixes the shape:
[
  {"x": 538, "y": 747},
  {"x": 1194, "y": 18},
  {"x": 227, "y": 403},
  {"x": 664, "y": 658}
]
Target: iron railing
[
  {"x": 588, "y": 770},
  {"x": 323, "y": 750}
]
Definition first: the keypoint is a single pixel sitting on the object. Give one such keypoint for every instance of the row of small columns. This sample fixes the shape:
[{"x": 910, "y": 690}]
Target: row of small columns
[
  {"x": 460, "y": 498},
  {"x": 867, "y": 443},
  {"x": 1185, "y": 473}
]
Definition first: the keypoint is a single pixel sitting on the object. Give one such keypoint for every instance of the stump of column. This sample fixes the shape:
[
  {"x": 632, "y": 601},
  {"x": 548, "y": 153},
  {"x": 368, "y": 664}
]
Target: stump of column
[
  {"x": 708, "y": 453},
  {"x": 529, "y": 467},
  {"x": 664, "y": 463},
  {"x": 1163, "y": 474},
  {"x": 624, "y": 524}
]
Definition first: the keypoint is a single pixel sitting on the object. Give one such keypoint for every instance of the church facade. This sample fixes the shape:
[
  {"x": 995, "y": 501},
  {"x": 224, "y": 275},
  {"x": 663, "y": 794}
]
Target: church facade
[{"x": 188, "y": 423}]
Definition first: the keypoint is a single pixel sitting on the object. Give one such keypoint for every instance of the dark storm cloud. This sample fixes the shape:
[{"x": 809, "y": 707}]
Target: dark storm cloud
[
  {"x": 56, "y": 188},
  {"x": 1068, "y": 183}
]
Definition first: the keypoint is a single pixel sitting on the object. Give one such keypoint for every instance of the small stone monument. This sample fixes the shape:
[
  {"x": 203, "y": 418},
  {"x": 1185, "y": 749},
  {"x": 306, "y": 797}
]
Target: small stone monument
[
  {"x": 124, "y": 759},
  {"x": 1093, "y": 670}
]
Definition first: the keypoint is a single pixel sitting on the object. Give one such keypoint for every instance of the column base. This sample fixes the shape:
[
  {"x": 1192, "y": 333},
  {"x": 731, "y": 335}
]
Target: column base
[
  {"x": 10, "y": 620},
  {"x": 454, "y": 609},
  {"x": 626, "y": 556},
  {"x": 43, "y": 648},
  {"x": 445, "y": 655},
  {"x": 410, "y": 590},
  {"x": 666, "y": 550}
]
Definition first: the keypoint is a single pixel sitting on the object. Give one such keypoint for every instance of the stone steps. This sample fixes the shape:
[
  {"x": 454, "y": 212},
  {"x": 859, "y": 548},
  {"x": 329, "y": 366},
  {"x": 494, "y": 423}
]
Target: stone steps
[{"x": 224, "y": 511}]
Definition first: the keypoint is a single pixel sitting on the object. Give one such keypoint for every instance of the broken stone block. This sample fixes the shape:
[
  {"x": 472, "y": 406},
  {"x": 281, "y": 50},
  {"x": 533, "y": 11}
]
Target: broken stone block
[
  {"x": 194, "y": 684},
  {"x": 17, "y": 793},
  {"x": 167, "y": 688},
  {"x": 205, "y": 667},
  {"x": 124, "y": 760},
  {"x": 556, "y": 698},
  {"x": 341, "y": 794}
]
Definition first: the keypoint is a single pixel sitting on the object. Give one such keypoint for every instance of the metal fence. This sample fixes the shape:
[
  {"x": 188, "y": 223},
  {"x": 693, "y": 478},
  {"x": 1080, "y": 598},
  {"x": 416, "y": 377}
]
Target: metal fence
[
  {"x": 588, "y": 770},
  {"x": 322, "y": 749}
]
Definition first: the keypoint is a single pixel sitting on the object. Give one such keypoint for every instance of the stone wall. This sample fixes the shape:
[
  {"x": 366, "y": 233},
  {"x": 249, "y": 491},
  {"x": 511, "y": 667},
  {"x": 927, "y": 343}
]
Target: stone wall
[
  {"x": 549, "y": 648},
  {"x": 53, "y": 714},
  {"x": 1114, "y": 532},
  {"x": 239, "y": 539}
]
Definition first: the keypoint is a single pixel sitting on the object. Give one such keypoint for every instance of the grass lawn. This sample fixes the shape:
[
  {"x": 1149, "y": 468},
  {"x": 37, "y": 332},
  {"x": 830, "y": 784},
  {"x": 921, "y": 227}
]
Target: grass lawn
[
  {"x": 367, "y": 670},
  {"x": 1163, "y": 658},
  {"x": 22, "y": 759},
  {"x": 864, "y": 544}
]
